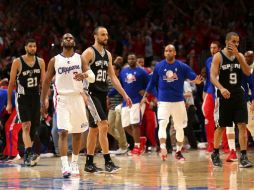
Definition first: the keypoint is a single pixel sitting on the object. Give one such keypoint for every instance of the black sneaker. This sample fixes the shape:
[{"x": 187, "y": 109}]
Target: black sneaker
[
  {"x": 110, "y": 167},
  {"x": 27, "y": 159},
  {"x": 216, "y": 159},
  {"x": 179, "y": 156},
  {"x": 3, "y": 158},
  {"x": 34, "y": 160},
  {"x": 244, "y": 162},
  {"x": 92, "y": 168}
]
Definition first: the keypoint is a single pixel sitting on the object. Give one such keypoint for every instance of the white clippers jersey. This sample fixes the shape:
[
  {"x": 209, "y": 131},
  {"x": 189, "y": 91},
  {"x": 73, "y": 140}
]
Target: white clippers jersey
[{"x": 65, "y": 67}]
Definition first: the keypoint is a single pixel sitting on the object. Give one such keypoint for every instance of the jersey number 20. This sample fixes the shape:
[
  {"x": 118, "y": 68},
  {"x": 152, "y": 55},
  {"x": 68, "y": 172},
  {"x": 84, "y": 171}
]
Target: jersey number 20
[
  {"x": 31, "y": 82},
  {"x": 101, "y": 75}
]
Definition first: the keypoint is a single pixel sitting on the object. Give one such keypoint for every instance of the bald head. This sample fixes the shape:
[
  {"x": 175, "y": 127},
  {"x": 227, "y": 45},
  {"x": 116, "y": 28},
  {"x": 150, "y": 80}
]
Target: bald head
[
  {"x": 170, "y": 46},
  {"x": 249, "y": 57},
  {"x": 170, "y": 53}
]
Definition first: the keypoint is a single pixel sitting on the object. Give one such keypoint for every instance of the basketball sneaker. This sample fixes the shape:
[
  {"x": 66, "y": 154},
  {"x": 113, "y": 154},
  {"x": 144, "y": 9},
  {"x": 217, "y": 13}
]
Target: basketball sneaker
[
  {"x": 136, "y": 150},
  {"x": 74, "y": 169},
  {"x": 11, "y": 159},
  {"x": 118, "y": 151},
  {"x": 179, "y": 156},
  {"x": 110, "y": 167},
  {"x": 27, "y": 159},
  {"x": 216, "y": 159},
  {"x": 232, "y": 157},
  {"x": 142, "y": 144},
  {"x": 66, "y": 171},
  {"x": 244, "y": 162},
  {"x": 92, "y": 168},
  {"x": 163, "y": 154},
  {"x": 34, "y": 159}
]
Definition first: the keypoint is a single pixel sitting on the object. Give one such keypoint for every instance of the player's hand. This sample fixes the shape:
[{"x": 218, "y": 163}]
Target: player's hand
[
  {"x": 225, "y": 93},
  {"x": 232, "y": 48},
  {"x": 9, "y": 108},
  {"x": 80, "y": 76},
  {"x": 199, "y": 79},
  {"x": 128, "y": 101}
]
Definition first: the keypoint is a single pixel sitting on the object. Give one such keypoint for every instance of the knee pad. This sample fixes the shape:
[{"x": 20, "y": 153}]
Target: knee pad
[
  {"x": 162, "y": 129},
  {"x": 179, "y": 135}
]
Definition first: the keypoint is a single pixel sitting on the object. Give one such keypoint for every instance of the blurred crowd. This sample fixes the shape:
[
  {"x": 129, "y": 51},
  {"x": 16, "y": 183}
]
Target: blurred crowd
[{"x": 140, "y": 26}]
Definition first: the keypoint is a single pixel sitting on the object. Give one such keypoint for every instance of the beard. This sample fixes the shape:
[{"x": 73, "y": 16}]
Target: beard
[
  {"x": 170, "y": 58},
  {"x": 68, "y": 46},
  {"x": 103, "y": 43},
  {"x": 31, "y": 53}
]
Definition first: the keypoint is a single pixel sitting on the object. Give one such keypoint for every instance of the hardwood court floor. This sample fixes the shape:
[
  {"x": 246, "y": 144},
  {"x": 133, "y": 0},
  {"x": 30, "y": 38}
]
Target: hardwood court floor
[{"x": 138, "y": 172}]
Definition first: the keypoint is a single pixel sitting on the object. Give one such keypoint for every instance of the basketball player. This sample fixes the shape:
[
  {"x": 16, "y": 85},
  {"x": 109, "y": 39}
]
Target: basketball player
[
  {"x": 69, "y": 105},
  {"x": 134, "y": 80},
  {"x": 169, "y": 76},
  {"x": 249, "y": 57},
  {"x": 228, "y": 65},
  {"x": 28, "y": 71},
  {"x": 100, "y": 61},
  {"x": 248, "y": 86}
]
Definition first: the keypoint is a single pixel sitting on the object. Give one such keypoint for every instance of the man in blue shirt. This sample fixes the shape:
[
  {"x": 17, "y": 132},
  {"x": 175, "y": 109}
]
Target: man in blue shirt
[
  {"x": 134, "y": 80},
  {"x": 169, "y": 76}
]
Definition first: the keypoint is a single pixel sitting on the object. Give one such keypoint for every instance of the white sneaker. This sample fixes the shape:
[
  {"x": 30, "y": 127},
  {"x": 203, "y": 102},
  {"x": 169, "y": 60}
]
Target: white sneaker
[
  {"x": 66, "y": 171},
  {"x": 118, "y": 151},
  {"x": 74, "y": 169},
  {"x": 13, "y": 159},
  {"x": 35, "y": 159}
]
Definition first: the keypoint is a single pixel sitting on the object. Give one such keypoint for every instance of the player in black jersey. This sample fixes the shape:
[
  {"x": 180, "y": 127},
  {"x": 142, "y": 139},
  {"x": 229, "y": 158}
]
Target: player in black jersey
[
  {"x": 27, "y": 71},
  {"x": 229, "y": 65},
  {"x": 100, "y": 61}
]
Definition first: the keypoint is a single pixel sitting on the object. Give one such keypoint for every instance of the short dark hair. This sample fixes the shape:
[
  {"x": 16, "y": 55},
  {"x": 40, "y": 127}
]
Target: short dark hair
[
  {"x": 217, "y": 43},
  {"x": 230, "y": 34},
  {"x": 95, "y": 32},
  {"x": 30, "y": 40}
]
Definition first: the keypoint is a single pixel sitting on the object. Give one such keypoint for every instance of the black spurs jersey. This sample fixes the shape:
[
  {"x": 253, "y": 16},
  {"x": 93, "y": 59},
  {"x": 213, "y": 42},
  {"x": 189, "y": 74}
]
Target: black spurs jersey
[
  {"x": 230, "y": 74},
  {"x": 100, "y": 68},
  {"x": 28, "y": 78}
]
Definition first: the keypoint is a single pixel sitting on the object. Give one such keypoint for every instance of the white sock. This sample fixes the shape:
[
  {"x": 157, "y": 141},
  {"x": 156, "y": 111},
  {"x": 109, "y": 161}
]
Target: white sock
[
  {"x": 137, "y": 144},
  {"x": 231, "y": 144},
  {"x": 64, "y": 160},
  {"x": 74, "y": 158},
  {"x": 178, "y": 147}
]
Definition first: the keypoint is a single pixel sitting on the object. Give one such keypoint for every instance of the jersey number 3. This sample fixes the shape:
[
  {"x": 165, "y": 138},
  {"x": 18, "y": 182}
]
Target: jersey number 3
[
  {"x": 32, "y": 82},
  {"x": 101, "y": 75}
]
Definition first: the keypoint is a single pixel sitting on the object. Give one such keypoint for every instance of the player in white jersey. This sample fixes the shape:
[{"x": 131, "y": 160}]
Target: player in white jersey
[{"x": 68, "y": 69}]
